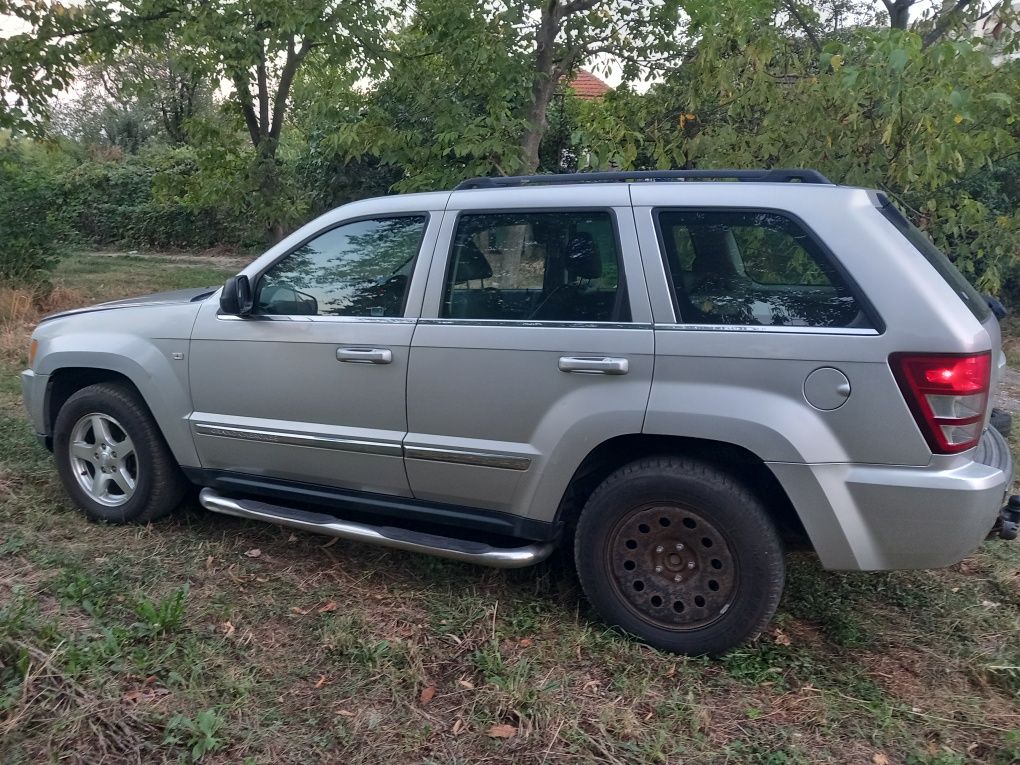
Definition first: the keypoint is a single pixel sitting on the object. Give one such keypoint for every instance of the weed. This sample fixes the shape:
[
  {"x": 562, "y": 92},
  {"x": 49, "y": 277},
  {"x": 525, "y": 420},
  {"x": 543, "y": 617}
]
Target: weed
[
  {"x": 198, "y": 734},
  {"x": 162, "y": 616}
]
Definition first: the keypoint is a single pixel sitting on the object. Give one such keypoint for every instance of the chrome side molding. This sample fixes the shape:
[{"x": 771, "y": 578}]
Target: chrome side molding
[
  {"x": 385, "y": 536},
  {"x": 466, "y": 457},
  {"x": 300, "y": 439},
  {"x": 363, "y": 446}
]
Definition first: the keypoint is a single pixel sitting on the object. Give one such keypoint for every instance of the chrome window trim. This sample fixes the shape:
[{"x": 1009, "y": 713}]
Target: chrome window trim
[
  {"x": 326, "y": 319},
  {"x": 528, "y": 323},
  {"x": 468, "y": 457},
  {"x": 764, "y": 328},
  {"x": 622, "y": 284},
  {"x": 300, "y": 439},
  {"x": 858, "y": 294}
]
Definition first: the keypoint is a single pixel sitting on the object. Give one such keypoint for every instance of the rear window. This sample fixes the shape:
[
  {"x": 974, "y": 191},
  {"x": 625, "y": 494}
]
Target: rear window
[{"x": 950, "y": 273}]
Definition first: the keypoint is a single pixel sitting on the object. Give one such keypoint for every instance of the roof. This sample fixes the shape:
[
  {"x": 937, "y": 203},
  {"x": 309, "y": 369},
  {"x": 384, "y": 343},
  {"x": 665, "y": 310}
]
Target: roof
[{"x": 587, "y": 86}]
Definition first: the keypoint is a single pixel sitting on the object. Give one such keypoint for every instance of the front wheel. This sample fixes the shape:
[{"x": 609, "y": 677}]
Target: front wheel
[
  {"x": 112, "y": 459},
  {"x": 679, "y": 554}
]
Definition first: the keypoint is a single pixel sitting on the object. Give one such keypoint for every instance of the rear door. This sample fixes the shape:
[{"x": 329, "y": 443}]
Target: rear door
[{"x": 535, "y": 345}]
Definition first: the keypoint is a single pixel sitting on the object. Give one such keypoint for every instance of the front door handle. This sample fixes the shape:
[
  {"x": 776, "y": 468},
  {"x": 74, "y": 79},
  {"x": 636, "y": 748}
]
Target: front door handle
[
  {"x": 365, "y": 355},
  {"x": 594, "y": 365}
]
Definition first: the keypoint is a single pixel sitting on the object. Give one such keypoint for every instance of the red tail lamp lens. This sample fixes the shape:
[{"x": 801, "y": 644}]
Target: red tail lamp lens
[{"x": 948, "y": 395}]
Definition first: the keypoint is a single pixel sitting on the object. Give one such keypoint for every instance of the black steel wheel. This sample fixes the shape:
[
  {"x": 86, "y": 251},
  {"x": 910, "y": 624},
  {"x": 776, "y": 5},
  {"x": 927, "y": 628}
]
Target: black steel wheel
[
  {"x": 679, "y": 554},
  {"x": 671, "y": 566}
]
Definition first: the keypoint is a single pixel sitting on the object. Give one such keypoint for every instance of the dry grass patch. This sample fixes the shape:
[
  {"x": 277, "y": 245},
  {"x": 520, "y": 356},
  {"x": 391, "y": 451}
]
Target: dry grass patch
[{"x": 20, "y": 311}]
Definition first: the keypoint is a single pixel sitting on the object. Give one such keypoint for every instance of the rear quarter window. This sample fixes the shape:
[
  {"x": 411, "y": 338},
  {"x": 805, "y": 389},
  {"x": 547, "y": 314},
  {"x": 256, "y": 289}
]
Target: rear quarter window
[{"x": 753, "y": 268}]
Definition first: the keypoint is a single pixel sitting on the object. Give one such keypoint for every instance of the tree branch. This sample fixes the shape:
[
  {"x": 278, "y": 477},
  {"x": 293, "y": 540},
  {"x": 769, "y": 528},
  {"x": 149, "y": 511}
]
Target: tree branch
[
  {"x": 247, "y": 108},
  {"x": 578, "y": 6},
  {"x": 945, "y": 21},
  {"x": 791, "y": 6},
  {"x": 262, "y": 82},
  {"x": 290, "y": 67}
]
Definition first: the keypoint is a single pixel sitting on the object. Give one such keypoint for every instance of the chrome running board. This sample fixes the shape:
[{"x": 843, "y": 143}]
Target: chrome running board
[{"x": 385, "y": 536}]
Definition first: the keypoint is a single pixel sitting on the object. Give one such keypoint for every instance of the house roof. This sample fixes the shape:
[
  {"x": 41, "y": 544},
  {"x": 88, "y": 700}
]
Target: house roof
[{"x": 586, "y": 85}]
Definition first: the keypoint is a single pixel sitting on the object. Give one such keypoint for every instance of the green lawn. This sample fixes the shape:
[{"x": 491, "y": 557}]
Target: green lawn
[{"x": 205, "y": 638}]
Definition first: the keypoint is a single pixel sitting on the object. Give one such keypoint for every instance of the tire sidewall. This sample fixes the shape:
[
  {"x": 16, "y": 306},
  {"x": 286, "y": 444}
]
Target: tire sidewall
[
  {"x": 96, "y": 401},
  {"x": 734, "y": 511}
]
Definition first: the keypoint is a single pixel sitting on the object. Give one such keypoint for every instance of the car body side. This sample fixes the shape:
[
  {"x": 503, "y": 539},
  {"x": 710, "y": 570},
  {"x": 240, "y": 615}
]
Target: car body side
[{"x": 861, "y": 478}]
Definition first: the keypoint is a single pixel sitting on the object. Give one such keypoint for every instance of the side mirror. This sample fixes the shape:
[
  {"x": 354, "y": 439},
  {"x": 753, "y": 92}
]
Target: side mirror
[{"x": 236, "y": 298}]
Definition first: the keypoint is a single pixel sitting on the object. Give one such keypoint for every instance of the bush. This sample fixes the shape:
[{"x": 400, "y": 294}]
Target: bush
[
  {"x": 140, "y": 200},
  {"x": 34, "y": 229}
]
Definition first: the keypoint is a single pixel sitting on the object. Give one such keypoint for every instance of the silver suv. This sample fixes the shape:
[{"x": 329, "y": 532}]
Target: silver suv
[{"x": 676, "y": 375}]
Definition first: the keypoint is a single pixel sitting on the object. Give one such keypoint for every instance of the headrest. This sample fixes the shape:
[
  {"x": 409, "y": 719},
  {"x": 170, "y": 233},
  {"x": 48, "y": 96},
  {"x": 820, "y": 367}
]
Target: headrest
[
  {"x": 583, "y": 261},
  {"x": 471, "y": 264}
]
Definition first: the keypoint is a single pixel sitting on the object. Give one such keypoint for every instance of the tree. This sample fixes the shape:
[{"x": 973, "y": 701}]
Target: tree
[
  {"x": 469, "y": 88},
  {"x": 878, "y": 109},
  {"x": 569, "y": 34},
  {"x": 258, "y": 46},
  {"x": 133, "y": 99}
]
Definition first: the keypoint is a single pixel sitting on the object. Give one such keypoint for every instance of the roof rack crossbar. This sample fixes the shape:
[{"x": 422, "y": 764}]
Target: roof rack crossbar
[{"x": 778, "y": 175}]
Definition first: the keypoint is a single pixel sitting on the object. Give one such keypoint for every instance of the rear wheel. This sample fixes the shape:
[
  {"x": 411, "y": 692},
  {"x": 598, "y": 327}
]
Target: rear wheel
[
  {"x": 679, "y": 554},
  {"x": 112, "y": 459}
]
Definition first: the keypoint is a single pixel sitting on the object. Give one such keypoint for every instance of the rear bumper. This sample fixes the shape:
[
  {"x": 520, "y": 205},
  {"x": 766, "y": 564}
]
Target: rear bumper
[{"x": 876, "y": 517}]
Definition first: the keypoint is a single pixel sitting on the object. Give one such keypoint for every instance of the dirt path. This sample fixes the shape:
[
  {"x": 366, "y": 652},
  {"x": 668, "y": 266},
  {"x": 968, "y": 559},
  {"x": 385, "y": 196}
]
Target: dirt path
[{"x": 213, "y": 257}]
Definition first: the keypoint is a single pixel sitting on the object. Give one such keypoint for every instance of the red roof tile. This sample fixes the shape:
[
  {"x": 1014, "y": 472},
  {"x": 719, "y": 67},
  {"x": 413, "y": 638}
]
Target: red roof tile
[{"x": 587, "y": 85}]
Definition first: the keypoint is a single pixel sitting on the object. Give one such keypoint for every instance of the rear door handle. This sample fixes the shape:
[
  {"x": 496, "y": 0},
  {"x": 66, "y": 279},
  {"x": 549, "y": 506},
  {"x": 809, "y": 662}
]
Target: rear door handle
[
  {"x": 365, "y": 355},
  {"x": 594, "y": 365}
]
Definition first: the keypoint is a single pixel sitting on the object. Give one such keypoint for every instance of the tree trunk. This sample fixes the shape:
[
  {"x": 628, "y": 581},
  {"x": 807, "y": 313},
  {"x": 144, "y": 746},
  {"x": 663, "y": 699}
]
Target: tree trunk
[
  {"x": 538, "y": 122},
  {"x": 899, "y": 12},
  {"x": 544, "y": 82},
  {"x": 268, "y": 181}
]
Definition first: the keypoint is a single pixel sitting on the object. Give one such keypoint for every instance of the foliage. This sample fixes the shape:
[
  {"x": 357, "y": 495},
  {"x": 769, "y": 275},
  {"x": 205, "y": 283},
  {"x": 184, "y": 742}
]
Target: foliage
[
  {"x": 134, "y": 100},
  {"x": 144, "y": 200},
  {"x": 33, "y": 222},
  {"x": 877, "y": 109},
  {"x": 233, "y": 122}
]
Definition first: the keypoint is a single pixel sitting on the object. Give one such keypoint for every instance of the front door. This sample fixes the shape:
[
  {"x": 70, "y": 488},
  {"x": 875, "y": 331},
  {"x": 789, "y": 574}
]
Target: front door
[
  {"x": 310, "y": 388},
  {"x": 533, "y": 347}
]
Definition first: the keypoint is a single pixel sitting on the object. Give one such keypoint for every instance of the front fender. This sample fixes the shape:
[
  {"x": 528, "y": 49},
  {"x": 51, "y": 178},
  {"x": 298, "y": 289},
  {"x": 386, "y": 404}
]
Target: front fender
[{"x": 156, "y": 366}]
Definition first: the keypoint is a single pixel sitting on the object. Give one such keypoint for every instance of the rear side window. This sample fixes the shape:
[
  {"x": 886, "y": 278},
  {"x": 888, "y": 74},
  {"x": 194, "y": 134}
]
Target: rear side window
[
  {"x": 535, "y": 266},
  {"x": 753, "y": 268},
  {"x": 950, "y": 273}
]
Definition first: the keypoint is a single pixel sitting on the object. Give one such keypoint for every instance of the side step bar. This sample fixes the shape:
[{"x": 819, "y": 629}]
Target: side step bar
[{"x": 386, "y": 536}]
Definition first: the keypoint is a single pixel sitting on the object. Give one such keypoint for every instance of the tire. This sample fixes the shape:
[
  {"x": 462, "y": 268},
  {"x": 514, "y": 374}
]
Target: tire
[
  {"x": 113, "y": 433},
  {"x": 696, "y": 523},
  {"x": 1002, "y": 421}
]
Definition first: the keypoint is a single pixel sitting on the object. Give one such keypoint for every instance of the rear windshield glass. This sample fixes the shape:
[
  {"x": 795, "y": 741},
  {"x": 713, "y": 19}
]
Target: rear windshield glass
[{"x": 970, "y": 296}]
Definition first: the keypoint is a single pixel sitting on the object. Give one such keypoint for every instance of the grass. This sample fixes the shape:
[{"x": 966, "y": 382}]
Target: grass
[{"x": 177, "y": 642}]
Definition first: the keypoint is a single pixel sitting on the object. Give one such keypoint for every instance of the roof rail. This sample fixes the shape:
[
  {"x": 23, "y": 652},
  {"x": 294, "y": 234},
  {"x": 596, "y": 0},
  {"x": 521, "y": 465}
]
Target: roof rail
[{"x": 779, "y": 175}]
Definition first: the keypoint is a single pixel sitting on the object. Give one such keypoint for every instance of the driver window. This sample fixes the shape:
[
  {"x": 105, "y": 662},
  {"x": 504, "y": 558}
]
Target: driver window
[{"x": 357, "y": 269}]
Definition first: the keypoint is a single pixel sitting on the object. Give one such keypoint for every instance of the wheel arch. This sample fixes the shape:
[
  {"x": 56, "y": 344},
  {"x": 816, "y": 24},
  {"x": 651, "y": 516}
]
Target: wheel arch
[
  {"x": 65, "y": 381},
  {"x": 738, "y": 461}
]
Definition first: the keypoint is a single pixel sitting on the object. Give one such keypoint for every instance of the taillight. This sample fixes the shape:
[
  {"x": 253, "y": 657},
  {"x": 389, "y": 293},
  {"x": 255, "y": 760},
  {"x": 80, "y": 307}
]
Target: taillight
[{"x": 948, "y": 395}]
